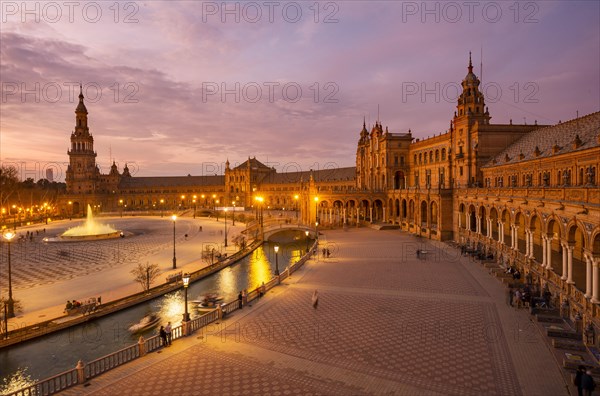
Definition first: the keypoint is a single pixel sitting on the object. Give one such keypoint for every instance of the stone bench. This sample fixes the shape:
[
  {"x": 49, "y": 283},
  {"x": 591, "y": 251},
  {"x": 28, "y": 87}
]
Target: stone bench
[
  {"x": 568, "y": 344},
  {"x": 549, "y": 318},
  {"x": 568, "y": 334}
]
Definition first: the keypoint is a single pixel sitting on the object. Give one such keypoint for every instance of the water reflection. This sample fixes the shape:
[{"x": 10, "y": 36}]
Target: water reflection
[{"x": 60, "y": 351}]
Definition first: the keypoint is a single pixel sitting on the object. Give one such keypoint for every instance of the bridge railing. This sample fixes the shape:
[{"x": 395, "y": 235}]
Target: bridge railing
[{"x": 83, "y": 372}]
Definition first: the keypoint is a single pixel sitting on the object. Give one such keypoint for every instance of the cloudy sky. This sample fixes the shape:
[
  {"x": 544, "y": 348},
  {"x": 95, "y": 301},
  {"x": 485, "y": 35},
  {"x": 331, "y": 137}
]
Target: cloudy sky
[{"x": 176, "y": 88}]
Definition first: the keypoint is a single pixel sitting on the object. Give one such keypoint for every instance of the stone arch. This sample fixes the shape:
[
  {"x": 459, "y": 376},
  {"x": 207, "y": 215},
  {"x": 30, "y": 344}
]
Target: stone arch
[
  {"x": 434, "y": 214},
  {"x": 554, "y": 233},
  {"x": 494, "y": 219},
  {"x": 472, "y": 218},
  {"x": 506, "y": 222},
  {"x": 377, "y": 210},
  {"x": 535, "y": 226},
  {"x": 423, "y": 213},
  {"x": 520, "y": 222},
  {"x": 576, "y": 239},
  {"x": 483, "y": 220},
  {"x": 595, "y": 242},
  {"x": 411, "y": 211},
  {"x": 404, "y": 209},
  {"x": 399, "y": 180},
  {"x": 462, "y": 216}
]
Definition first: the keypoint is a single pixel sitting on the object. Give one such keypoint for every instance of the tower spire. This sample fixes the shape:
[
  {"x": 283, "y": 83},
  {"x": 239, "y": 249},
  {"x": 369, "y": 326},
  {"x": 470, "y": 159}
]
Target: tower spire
[{"x": 470, "y": 63}]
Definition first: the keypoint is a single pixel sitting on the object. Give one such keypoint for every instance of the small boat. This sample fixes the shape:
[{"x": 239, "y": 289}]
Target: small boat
[{"x": 147, "y": 322}]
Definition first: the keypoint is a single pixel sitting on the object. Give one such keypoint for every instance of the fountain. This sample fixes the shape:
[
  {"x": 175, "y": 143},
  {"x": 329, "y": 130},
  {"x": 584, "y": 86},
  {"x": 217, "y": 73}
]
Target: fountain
[{"x": 89, "y": 230}]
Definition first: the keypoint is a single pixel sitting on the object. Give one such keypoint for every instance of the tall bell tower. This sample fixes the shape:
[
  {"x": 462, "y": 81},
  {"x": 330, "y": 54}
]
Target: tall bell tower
[
  {"x": 82, "y": 173},
  {"x": 471, "y": 114}
]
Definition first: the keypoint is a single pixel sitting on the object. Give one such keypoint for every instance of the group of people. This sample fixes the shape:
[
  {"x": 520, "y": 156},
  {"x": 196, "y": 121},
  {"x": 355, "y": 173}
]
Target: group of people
[
  {"x": 514, "y": 272},
  {"x": 584, "y": 381},
  {"x": 165, "y": 334},
  {"x": 77, "y": 304},
  {"x": 326, "y": 252}
]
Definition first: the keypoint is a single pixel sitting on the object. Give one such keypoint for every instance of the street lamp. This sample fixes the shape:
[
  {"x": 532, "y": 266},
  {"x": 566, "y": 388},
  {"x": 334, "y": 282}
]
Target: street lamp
[
  {"x": 194, "y": 201},
  {"x": 276, "y": 260},
  {"x": 162, "y": 201},
  {"x": 317, "y": 230},
  {"x": 225, "y": 227},
  {"x": 121, "y": 207},
  {"x": 9, "y": 303},
  {"x": 316, "y": 209},
  {"x": 186, "y": 282},
  {"x": 306, "y": 232},
  {"x": 214, "y": 196},
  {"x": 70, "y": 210},
  {"x": 233, "y": 214},
  {"x": 174, "y": 217},
  {"x": 296, "y": 199},
  {"x": 14, "y": 218}
]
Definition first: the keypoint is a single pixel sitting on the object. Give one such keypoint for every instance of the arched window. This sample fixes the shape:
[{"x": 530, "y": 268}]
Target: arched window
[
  {"x": 443, "y": 154},
  {"x": 437, "y": 155}
]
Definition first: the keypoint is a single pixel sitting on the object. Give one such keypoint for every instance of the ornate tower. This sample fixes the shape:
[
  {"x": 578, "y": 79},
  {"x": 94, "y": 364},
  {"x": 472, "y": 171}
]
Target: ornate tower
[
  {"x": 82, "y": 172},
  {"x": 470, "y": 115}
]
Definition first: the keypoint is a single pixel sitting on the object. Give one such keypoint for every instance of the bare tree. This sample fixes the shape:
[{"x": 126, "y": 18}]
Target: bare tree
[{"x": 145, "y": 274}]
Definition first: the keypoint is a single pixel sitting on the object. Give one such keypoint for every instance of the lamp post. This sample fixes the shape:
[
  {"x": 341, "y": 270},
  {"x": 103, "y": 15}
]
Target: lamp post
[
  {"x": 225, "y": 210},
  {"x": 296, "y": 200},
  {"x": 162, "y": 202},
  {"x": 14, "y": 219},
  {"x": 186, "y": 282},
  {"x": 233, "y": 214},
  {"x": 316, "y": 209},
  {"x": 276, "y": 260},
  {"x": 121, "y": 207},
  {"x": 194, "y": 201},
  {"x": 174, "y": 217},
  {"x": 70, "y": 210},
  {"x": 317, "y": 230},
  {"x": 306, "y": 232},
  {"x": 10, "y": 304},
  {"x": 214, "y": 196}
]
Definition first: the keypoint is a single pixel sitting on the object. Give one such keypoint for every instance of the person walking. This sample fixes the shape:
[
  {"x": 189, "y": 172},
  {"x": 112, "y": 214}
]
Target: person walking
[
  {"x": 163, "y": 335},
  {"x": 577, "y": 380},
  {"x": 510, "y": 295},
  {"x": 168, "y": 332},
  {"x": 315, "y": 299},
  {"x": 240, "y": 299},
  {"x": 587, "y": 383}
]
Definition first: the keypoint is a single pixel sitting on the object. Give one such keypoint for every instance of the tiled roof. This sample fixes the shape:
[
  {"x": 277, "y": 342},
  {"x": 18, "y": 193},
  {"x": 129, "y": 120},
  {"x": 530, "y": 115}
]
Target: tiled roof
[
  {"x": 254, "y": 164},
  {"x": 323, "y": 175},
  {"x": 579, "y": 134},
  {"x": 171, "y": 181}
]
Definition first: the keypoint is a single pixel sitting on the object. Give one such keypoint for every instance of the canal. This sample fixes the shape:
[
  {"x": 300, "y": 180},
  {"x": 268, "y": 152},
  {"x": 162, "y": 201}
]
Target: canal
[{"x": 47, "y": 356}]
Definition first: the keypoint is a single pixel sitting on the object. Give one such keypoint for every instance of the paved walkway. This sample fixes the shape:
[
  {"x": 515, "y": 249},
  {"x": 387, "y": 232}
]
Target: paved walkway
[{"x": 387, "y": 323}]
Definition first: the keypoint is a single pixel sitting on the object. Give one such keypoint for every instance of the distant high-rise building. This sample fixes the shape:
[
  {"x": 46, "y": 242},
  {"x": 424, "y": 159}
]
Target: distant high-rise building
[{"x": 50, "y": 174}]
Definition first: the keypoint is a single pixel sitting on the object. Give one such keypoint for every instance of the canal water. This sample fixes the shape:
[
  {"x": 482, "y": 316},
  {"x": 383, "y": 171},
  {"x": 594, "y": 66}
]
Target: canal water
[{"x": 50, "y": 355}]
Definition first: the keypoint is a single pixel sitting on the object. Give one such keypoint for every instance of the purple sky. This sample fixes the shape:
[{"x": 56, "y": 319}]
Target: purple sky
[{"x": 540, "y": 62}]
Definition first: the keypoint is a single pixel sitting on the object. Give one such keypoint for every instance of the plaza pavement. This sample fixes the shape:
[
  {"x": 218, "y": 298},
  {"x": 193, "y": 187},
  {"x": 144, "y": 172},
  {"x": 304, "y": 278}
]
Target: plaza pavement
[
  {"x": 46, "y": 275},
  {"x": 386, "y": 323}
]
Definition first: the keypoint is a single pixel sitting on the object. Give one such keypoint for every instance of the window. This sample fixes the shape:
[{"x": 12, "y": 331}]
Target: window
[
  {"x": 402, "y": 160},
  {"x": 443, "y": 154},
  {"x": 460, "y": 170}
]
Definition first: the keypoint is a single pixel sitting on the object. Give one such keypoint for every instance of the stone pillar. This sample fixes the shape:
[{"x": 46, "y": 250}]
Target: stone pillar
[
  {"x": 588, "y": 276},
  {"x": 531, "y": 256},
  {"x": 80, "y": 372},
  {"x": 595, "y": 296},
  {"x": 459, "y": 220},
  {"x": 489, "y": 228},
  {"x": 549, "y": 252},
  {"x": 142, "y": 346},
  {"x": 527, "y": 243},
  {"x": 500, "y": 232},
  {"x": 384, "y": 214},
  {"x": 564, "y": 261},
  {"x": 468, "y": 225},
  {"x": 544, "y": 247},
  {"x": 371, "y": 213},
  {"x": 570, "y": 248}
]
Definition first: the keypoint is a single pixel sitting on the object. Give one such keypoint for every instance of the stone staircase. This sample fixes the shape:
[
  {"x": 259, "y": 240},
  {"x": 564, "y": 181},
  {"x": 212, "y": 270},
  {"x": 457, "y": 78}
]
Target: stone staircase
[{"x": 384, "y": 226}]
